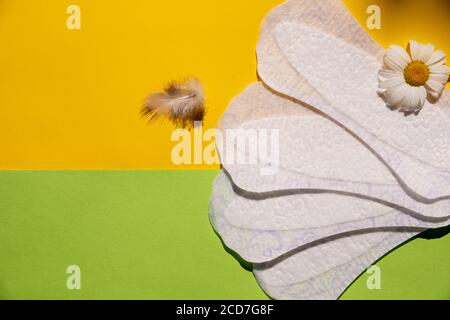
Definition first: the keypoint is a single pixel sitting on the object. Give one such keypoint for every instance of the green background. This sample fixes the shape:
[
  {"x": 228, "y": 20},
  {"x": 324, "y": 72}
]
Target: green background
[{"x": 146, "y": 235}]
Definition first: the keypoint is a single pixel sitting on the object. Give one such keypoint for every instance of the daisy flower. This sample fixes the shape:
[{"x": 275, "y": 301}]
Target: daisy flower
[{"x": 409, "y": 77}]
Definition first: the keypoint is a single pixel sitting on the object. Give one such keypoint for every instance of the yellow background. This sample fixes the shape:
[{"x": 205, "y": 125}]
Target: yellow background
[{"x": 70, "y": 99}]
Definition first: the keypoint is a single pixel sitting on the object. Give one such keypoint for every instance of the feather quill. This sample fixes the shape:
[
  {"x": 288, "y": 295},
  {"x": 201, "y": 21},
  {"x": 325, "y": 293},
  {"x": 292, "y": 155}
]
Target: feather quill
[{"x": 182, "y": 102}]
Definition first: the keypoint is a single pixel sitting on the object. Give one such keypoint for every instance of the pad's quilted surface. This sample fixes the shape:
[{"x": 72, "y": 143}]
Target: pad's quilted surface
[
  {"x": 351, "y": 181},
  {"x": 288, "y": 67},
  {"x": 320, "y": 270},
  {"x": 314, "y": 154}
]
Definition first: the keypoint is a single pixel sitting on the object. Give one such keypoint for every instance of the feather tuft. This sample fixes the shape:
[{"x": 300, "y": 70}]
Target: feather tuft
[{"x": 182, "y": 102}]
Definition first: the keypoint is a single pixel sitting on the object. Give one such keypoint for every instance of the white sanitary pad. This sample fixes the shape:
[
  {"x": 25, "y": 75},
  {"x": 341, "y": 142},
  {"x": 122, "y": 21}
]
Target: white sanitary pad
[
  {"x": 316, "y": 52},
  {"x": 315, "y": 154},
  {"x": 266, "y": 229},
  {"x": 325, "y": 271},
  {"x": 350, "y": 179},
  {"x": 319, "y": 270}
]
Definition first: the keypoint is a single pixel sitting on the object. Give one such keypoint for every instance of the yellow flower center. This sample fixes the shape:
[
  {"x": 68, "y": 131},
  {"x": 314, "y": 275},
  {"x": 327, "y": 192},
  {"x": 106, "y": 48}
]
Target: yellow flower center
[{"x": 417, "y": 74}]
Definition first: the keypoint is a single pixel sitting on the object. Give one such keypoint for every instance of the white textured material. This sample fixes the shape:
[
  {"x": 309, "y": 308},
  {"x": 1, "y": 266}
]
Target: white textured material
[
  {"x": 265, "y": 229},
  {"x": 321, "y": 270},
  {"x": 316, "y": 154},
  {"x": 354, "y": 180},
  {"x": 316, "y": 52},
  {"x": 324, "y": 271}
]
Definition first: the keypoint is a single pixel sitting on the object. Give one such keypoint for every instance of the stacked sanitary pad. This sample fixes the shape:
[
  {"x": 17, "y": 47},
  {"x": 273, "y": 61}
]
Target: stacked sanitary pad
[{"x": 330, "y": 179}]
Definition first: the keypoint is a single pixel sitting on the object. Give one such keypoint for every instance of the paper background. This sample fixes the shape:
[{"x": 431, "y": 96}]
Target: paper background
[
  {"x": 70, "y": 99},
  {"x": 146, "y": 235}
]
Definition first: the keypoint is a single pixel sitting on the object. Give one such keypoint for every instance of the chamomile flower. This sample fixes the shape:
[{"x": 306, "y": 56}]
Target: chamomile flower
[{"x": 409, "y": 77}]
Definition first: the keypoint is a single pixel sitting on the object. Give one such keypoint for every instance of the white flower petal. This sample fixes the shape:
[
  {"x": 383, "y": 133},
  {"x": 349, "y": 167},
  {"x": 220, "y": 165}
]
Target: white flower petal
[
  {"x": 422, "y": 92},
  {"x": 390, "y": 64},
  {"x": 426, "y": 53},
  {"x": 410, "y": 101},
  {"x": 413, "y": 99},
  {"x": 418, "y": 98},
  {"x": 434, "y": 88},
  {"x": 401, "y": 105},
  {"x": 434, "y": 94},
  {"x": 439, "y": 68},
  {"x": 396, "y": 58},
  {"x": 415, "y": 50},
  {"x": 436, "y": 57},
  {"x": 420, "y": 52},
  {"x": 439, "y": 77},
  {"x": 395, "y": 95},
  {"x": 401, "y": 53},
  {"x": 390, "y": 83},
  {"x": 390, "y": 74}
]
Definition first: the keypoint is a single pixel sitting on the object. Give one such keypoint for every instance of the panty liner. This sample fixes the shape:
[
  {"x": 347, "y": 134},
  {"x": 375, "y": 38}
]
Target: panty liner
[
  {"x": 316, "y": 52},
  {"x": 319, "y": 270},
  {"x": 315, "y": 155},
  {"x": 354, "y": 179},
  {"x": 325, "y": 271}
]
